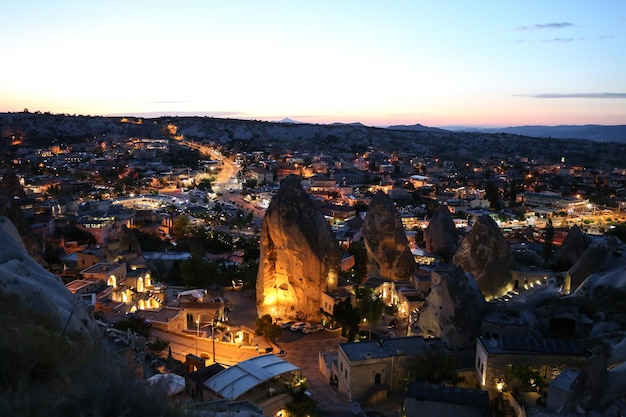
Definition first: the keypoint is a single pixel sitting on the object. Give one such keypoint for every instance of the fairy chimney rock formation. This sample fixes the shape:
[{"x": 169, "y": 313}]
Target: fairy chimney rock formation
[
  {"x": 453, "y": 309},
  {"x": 441, "y": 236},
  {"x": 40, "y": 291},
  {"x": 300, "y": 256},
  {"x": 486, "y": 254},
  {"x": 388, "y": 253},
  {"x": 571, "y": 250}
]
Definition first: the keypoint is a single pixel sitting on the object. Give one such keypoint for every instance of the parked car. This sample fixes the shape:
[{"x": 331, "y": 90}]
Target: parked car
[
  {"x": 313, "y": 328},
  {"x": 298, "y": 326},
  {"x": 285, "y": 324}
]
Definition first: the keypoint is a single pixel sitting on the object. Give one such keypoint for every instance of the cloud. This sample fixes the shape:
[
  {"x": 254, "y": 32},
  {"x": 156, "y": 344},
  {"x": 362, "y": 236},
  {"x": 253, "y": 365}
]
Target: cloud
[
  {"x": 565, "y": 40},
  {"x": 576, "y": 95},
  {"x": 560, "y": 25}
]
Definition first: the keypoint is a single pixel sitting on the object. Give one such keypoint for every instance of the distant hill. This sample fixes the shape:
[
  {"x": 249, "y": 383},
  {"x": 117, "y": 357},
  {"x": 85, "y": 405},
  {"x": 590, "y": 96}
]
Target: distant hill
[
  {"x": 598, "y": 133},
  {"x": 287, "y": 120},
  {"x": 20, "y": 131},
  {"x": 417, "y": 128}
]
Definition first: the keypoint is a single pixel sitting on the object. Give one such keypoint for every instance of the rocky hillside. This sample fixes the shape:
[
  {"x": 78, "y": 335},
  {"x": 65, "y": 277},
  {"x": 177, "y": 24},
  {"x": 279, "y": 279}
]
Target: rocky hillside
[
  {"x": 54, "y": 361},
  {"x": 36, "y": 129}
]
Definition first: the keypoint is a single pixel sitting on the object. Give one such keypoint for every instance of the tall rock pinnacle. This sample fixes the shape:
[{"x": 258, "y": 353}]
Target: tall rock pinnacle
[
  {"x": 299, "y": 258},
  {"x": 486, "y": 254},
  {"x": 441, "y": 236},
  {"x": 453, "y": 309},
  {"x": 388, "y": 252}
]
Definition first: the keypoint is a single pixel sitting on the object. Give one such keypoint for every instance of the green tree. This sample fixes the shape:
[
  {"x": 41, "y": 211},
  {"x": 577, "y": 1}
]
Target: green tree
[
  {"x": 434, "y": 367},
  {"x": 181, "y": 224},
  {"x": 527, "y": 376},
  {"x": 158, "y": 346},
  {"x": 348, "y": 318},
  {"x": 265, "y": 325},
  {"x": 197, "y": 272},
  {"x": 205, "y": 185},
  {"x": 369, "y": 304},
  {"x": 491, "y": 193},
  {"x": 357, "y": 249}
]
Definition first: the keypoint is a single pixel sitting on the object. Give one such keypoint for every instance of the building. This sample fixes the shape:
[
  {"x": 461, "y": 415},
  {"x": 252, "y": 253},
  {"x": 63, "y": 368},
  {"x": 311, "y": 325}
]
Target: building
[
  {"x": 260, "y": 175},
  {"x": 331, "y": 297},
  {"x": 338, "y": 212},
  {"x": 132, "y": 290},
  {"x": 556, "y": 201},
  {"x": 364, "y": 369},
  {"x": 112, "y": 274},
  {"x": 261, "y": 380},
  {"x": 550, "y": 356}
]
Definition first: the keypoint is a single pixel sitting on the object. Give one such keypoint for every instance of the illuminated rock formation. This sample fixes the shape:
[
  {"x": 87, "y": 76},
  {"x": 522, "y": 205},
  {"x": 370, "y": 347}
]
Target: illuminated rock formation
[
  {"x": 486, "y": 254},
  {"x": 453, "y": 309},
  {"x": 388, "y": 252},
  {"x": 299, "y": 255}
]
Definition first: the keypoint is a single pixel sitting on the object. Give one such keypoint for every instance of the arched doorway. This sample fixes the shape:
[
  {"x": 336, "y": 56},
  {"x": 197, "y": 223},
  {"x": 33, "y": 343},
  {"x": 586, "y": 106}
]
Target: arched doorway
[
  {"x": 140, "y": 284},
  {"x": 112, "y": 281}
]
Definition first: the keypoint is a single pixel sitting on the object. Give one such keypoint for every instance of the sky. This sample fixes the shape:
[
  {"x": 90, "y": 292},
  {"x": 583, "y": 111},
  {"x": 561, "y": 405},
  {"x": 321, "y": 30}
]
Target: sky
[{"x": 437, "y": 63}]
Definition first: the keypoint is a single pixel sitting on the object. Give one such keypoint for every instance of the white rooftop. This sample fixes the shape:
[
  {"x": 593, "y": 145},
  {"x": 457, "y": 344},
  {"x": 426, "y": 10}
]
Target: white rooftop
[{"x": 233, "y": 382}]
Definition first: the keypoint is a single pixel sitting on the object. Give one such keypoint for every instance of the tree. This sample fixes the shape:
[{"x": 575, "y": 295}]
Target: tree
[
  {"x": 158, "y": 346},
  {"x": 181, "y": 223},
  {"x": 348, "y": 319},
  {"x": 265, "y": 325},
  {"x": 197, "y": 272},
  {"x": 205, "y": 185},
  {"x": 491, "y": 193},
  {"x": 369, "y": 304},
  {"x": 357, "y": 249},
  {"x": 434, "y": 367},
  {"x": 527, "y": 376}
]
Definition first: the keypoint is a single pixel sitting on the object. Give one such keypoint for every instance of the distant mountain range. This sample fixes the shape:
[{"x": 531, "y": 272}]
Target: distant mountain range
[{"x": 599, "y": 133}]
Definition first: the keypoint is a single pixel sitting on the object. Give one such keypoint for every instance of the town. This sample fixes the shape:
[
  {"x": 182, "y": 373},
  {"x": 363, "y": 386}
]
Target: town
[{"x": 305, "y": 278}]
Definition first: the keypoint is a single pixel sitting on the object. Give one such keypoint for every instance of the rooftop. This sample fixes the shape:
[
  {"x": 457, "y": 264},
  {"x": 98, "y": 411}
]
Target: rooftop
[
  {"x": 411, "y": 345},
  {"x": 103, "y": 268},
  {"x": 533, "y": 345},
  {"x": 233, "y": 382}
]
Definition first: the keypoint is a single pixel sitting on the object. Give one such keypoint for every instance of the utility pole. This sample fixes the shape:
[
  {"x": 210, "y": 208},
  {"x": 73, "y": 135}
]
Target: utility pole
[
  {"x": 197, "y": 332},
  {"x": 213, "y": 338}
]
